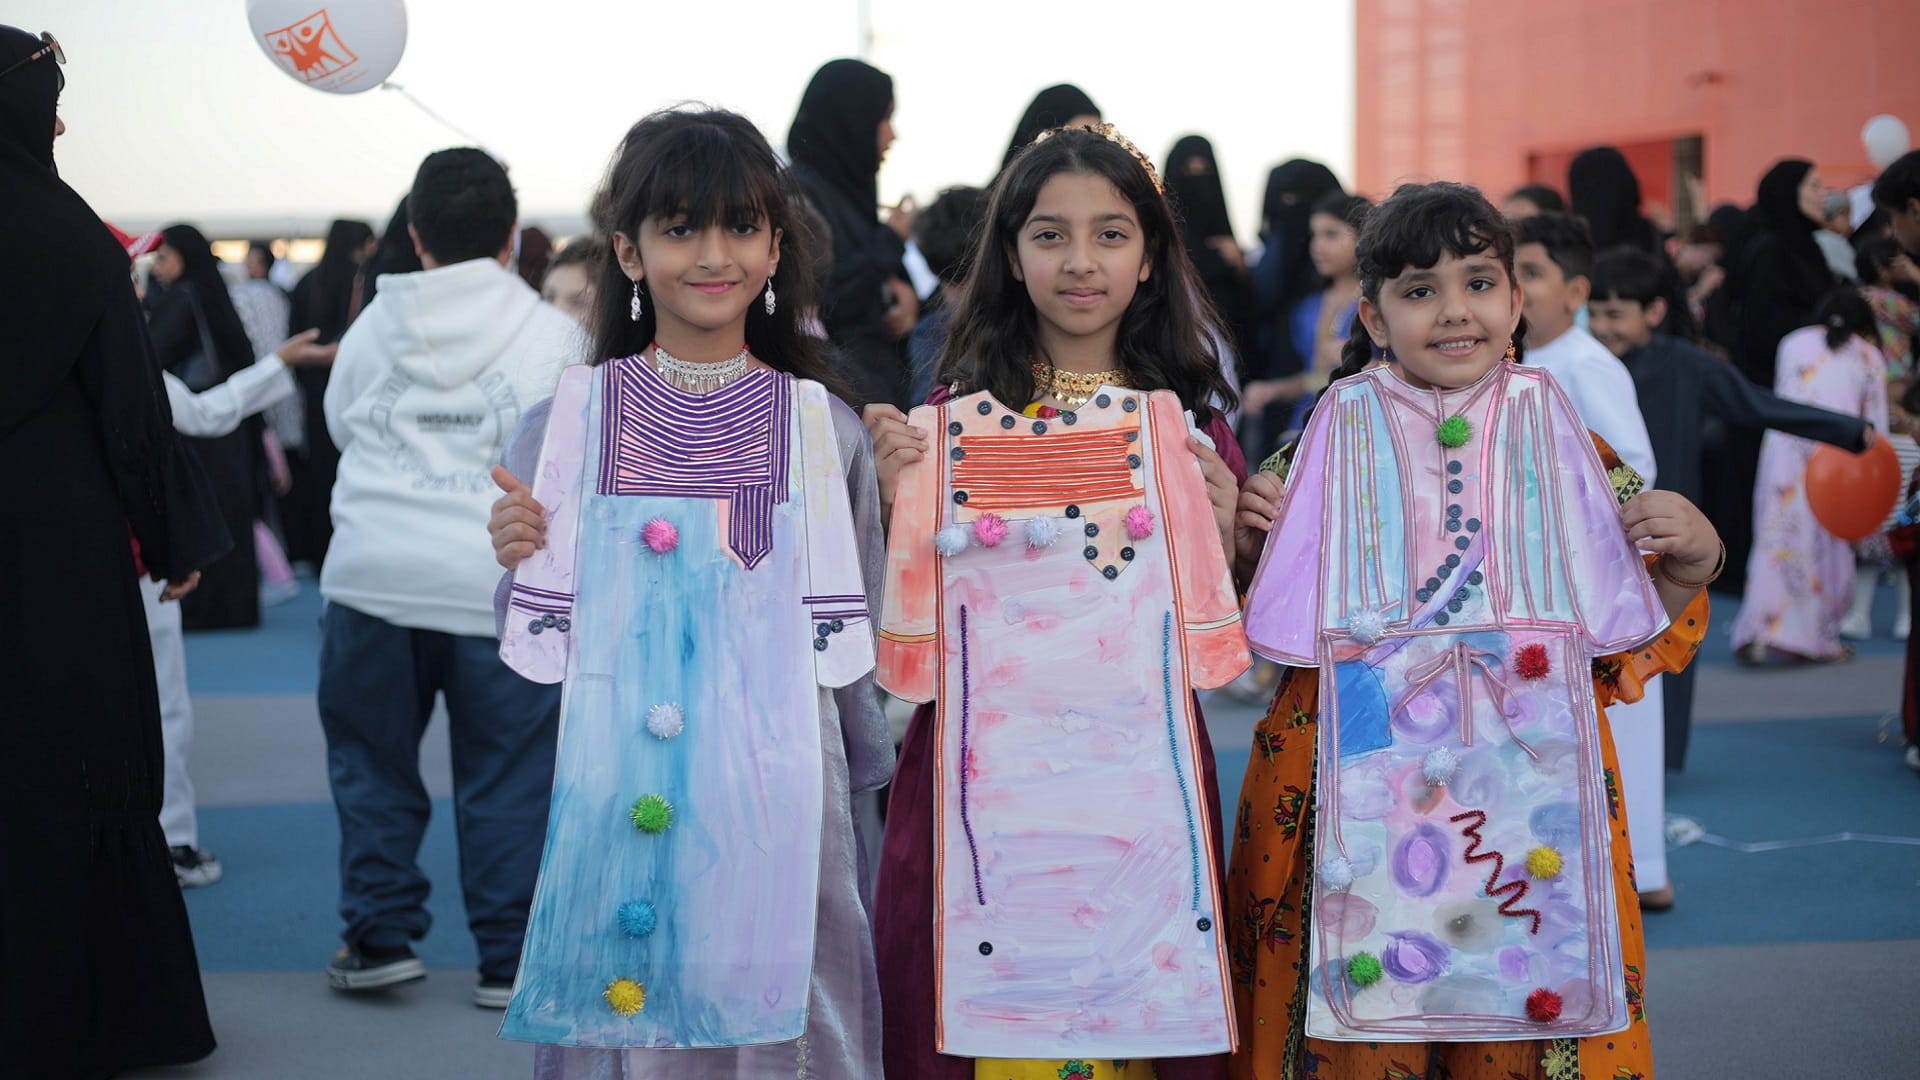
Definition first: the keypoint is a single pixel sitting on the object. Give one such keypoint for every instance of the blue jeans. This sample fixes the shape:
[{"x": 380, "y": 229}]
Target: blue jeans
[{"x": 377, "y": 687}]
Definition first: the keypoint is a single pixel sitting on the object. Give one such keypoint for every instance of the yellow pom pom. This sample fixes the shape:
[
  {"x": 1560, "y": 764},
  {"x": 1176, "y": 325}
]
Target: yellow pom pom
[
  {"x": 1543, "y": 862},
  {"x": 625, "y": 996}
]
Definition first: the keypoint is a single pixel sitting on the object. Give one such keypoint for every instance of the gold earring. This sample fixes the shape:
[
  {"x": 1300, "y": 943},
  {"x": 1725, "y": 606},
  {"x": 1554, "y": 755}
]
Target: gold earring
[{"x": 1511, "y": 357}]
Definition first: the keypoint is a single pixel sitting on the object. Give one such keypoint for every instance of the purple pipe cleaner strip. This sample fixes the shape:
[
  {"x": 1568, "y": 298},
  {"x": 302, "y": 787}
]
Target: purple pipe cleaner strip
[{"x": 966, "y": 718}]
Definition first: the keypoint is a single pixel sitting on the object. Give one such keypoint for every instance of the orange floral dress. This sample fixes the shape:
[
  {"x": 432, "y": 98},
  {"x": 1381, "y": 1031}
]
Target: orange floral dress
[{"x": 1267, "y": 893}]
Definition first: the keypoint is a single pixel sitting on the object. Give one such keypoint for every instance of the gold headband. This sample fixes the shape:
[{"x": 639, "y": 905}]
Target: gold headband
[{"x": 1112, "y": 135}]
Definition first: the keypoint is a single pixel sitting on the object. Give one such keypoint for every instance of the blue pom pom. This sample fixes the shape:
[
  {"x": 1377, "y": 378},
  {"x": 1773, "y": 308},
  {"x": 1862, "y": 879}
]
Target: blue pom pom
[{"x": 637, "y": 918}]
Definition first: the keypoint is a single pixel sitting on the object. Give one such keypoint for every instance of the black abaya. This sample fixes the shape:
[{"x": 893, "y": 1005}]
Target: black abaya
[
  {"x": 97, "y": 967},
  {"x": 229, "y": 592},
  {"x": 835, "y": 147}
]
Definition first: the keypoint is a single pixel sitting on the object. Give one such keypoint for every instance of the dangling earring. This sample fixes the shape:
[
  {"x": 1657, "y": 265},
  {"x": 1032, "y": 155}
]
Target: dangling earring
[
  {"x": 770, "y": 304},
  {"x": 634, "y": 309},
  {"x": 1511, "y": 357},
  {"x": 1386, "y": 354}
]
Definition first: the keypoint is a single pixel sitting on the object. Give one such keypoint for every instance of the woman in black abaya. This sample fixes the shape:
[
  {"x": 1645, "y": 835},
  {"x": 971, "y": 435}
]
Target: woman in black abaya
[
  {"x": 1193, "y": 185},
  {"x": 1775, "y": 279},
  {"x": 327, "y": 298},
  {"x": 97, "y": 969},
  {"x": 200, "y": 339},
  {"x": 839, "y": 137}
]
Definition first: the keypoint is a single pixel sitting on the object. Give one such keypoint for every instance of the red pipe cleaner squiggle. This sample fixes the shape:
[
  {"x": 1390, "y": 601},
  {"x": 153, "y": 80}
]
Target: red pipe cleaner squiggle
[{"x": 1517, "y": 887}]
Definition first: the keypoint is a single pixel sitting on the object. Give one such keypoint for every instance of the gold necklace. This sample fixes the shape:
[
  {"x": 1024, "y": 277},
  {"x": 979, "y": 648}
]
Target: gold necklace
[{"x": 1072, "y": 387}]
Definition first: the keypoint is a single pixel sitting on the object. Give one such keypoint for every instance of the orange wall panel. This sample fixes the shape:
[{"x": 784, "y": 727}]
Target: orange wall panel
[{"x": 1477, "y": 90}]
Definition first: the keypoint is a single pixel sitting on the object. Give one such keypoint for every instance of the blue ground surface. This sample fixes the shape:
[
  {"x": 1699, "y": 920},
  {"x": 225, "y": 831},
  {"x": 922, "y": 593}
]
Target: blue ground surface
[{"x": 1757, "y": 781}]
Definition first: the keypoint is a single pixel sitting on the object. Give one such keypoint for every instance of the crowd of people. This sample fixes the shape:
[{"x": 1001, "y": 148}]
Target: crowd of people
[{"x": 418, "y": 413}]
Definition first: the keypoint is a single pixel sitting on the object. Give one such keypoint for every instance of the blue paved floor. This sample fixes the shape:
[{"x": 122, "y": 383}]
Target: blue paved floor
[{"x": 1763, "y": 781}]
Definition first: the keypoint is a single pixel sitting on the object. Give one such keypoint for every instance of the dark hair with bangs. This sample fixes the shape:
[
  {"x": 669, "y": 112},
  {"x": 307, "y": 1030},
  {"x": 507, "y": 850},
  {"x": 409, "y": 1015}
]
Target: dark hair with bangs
[
  {"x": 1412, "y": 229},
  {"x": 709, "y": 165},
  {"x": 1165, "y": 340}
]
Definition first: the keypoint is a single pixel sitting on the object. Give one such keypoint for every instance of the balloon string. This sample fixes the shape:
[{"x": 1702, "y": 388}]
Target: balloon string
[{"x": 422, "y": 106}]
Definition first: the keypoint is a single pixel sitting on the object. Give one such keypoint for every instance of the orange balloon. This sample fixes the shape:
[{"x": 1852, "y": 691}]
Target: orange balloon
[{"x": 1852, "y": 494}]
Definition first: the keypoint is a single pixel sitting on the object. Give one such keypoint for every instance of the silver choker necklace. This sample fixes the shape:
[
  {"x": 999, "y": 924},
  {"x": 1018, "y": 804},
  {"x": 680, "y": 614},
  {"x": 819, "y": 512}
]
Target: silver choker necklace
[{"x": 698, "y": 378}]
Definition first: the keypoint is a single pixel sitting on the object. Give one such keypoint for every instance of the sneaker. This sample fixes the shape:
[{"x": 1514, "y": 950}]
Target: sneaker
[
  {"x": 1913, "y": 757},
  {"x": 1902, "y": 626},
  {"x": 493, "y": 993},
  {"x": 194, "y": 867},
  {"x": 1857, "y": 626},
  {"x": 367, "y": 968}
]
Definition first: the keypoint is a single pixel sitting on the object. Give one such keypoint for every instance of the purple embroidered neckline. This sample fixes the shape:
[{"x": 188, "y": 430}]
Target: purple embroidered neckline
[{"x": 730, "y": 444}]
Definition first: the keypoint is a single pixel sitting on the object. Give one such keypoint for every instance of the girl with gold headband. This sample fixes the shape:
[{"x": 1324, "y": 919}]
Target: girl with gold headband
[{"x": 1057, "y": 586}]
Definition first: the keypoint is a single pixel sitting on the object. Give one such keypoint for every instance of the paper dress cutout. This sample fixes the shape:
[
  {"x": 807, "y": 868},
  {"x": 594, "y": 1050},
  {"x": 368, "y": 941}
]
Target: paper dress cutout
[
  {"x": 1452, "y": 599},
  {"x": 687, "y": 795},
  {"x": 1076, "y": 872}
]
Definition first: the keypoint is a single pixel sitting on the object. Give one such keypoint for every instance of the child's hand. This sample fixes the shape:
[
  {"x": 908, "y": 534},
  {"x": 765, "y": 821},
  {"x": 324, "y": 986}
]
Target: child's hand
[
  {"x": 1663, "y": 522},
  {"x": 896, "y": 445},
  {"x": 1222, "y": 490},
  {"x": 519, "y": 524},
  {"x": 1259, "y": 506},
  {"x": 177, "y": 588}
]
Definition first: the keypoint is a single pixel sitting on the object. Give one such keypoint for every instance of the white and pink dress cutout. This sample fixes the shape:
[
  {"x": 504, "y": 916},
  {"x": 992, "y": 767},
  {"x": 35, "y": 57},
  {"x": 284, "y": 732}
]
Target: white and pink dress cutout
[{"x": 1058, "y": 587}]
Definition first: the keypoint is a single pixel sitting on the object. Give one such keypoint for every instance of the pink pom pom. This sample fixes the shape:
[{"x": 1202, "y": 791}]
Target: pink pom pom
[
  {"x": 1139, "y": 523},
  {"x": 660, "y": 535},
  {"x": 989, "y": 529}
]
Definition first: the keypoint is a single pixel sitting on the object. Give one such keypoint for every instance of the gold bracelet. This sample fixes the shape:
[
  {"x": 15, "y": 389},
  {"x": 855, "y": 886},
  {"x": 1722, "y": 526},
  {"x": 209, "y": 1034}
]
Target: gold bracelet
[{"x": 1718, "y": 567}]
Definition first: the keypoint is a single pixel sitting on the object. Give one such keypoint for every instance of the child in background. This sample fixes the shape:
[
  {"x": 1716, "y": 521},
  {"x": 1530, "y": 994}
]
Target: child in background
[
  {"x": 1905, "y": 542},
  {"x": 707, "y": 545},
  {"x": 1682, "y": 390},
  {"x": 1453, "y": 717},
  {"x": 1079, "y": 300},
  {"x": 944, "y": 233},
  {"x": 1553, "y": 256},
  {"x": 1799, "y": 573},
  {"x": 568, "y": 284}
]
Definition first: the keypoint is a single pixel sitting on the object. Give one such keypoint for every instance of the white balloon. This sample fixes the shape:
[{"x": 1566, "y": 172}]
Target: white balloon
[
  {"x": 340, "y": 46},
  {"x": 1885, "y": 138}
]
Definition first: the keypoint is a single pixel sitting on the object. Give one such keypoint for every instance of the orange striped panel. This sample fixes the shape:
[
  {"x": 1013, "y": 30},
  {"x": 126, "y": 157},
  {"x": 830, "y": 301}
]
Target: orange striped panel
[{"x": 1019, "y": 472}]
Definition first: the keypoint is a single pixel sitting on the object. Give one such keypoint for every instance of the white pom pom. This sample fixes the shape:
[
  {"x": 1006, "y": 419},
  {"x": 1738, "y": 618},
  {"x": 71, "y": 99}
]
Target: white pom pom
[
  {"x": 1439, "y": 766},
  {"x": 1336, "y": 874},
  {"x": 1042, "y": 532},
  {"x": 951, "y": 540},
  {"x": 1367, "y": 627},
  {"x": 666, "y": 721}
]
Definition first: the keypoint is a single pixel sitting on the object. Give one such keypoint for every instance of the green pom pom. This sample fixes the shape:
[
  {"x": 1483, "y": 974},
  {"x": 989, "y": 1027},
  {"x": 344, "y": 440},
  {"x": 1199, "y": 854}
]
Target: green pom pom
[
  {"x": 1364, "y": 968},
  {"x": 651, "y": 813},
  {"x": 1454, "y": 432}
]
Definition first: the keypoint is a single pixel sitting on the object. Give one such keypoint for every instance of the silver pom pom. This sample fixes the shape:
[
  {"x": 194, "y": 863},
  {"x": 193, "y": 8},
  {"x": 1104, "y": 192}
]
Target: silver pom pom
[
  {"x": 951, "y": 540},
  {"x": 1439, "y": 766},
  {"x": 1042, "y": 532},
  {"x": 666, "y": 721},
  {"x": 1337, "y": 874},
  {"x": 1367, "y": 627}
]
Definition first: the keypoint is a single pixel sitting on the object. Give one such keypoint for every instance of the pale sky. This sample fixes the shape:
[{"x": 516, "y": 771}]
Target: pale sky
[{"x": 174, "y": 113}]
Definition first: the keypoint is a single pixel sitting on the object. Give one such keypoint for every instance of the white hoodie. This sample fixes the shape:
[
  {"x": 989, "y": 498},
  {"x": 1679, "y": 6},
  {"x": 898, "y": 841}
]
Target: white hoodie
[{"x": 426, "y": 386}]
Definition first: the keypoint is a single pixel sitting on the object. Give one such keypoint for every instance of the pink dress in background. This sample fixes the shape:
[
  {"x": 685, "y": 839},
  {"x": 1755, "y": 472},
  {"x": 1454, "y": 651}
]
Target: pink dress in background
[{"x": 1800, "y": 576}]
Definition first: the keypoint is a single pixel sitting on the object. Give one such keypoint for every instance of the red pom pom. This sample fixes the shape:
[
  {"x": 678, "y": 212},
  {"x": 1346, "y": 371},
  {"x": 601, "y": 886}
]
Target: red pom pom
[
  {"x": 1531, "y": 661},
  {"x": 1543, "y": 1004}
]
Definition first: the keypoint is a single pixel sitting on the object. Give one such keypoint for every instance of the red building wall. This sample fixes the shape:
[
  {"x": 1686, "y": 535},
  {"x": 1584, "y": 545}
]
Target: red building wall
[{"x": 1503, "y": 92}]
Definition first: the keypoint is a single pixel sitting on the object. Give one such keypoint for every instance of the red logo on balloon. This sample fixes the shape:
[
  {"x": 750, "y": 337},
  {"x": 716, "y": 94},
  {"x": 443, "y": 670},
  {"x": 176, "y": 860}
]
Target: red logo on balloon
[{"x": 310, "y": 48}]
